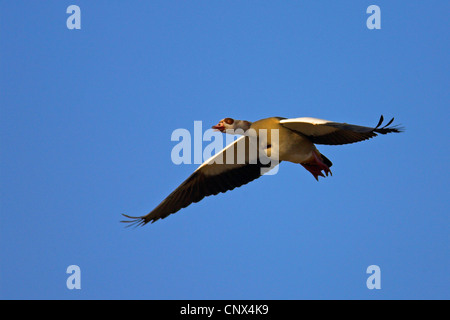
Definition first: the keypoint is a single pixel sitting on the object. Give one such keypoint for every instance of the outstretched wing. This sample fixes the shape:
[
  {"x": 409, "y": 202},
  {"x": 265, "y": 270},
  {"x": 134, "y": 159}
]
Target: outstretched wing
[
  {"x": 232, "y": 167},
  {"x": 334, "y": 133}
]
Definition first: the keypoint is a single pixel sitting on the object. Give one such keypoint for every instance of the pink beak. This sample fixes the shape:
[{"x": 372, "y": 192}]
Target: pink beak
[{"x": 219, "y": 127}]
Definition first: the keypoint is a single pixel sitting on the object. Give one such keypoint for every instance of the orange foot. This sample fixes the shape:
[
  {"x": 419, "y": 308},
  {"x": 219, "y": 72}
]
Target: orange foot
[{"x": 316, "y": 166}]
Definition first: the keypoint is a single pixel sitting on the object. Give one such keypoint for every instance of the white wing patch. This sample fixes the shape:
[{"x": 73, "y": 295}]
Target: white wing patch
[
  {"x": 305, "y": 120},
  {"x": 218, "y": 157},
  {"x": 309, "y": 126}
]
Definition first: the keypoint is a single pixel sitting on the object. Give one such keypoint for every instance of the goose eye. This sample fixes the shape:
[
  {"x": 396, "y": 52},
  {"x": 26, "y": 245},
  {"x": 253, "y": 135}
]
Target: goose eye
[{"x": 228, "y": 120}]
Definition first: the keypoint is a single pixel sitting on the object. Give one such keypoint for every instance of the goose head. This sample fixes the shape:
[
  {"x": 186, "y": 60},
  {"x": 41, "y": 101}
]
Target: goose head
[{"x": 230, "y": 125}]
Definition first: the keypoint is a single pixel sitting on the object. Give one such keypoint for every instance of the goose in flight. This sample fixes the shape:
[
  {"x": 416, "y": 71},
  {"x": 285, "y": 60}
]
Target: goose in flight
[{"x": 237, "y": 164}]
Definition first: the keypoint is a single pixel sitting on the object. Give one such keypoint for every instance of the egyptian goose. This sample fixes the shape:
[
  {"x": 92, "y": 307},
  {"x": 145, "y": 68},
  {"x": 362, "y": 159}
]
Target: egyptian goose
[{"x": 296, "y": 139}]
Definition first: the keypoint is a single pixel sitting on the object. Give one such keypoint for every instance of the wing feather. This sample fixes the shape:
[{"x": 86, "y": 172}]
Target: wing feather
[
  {"x": 211, "y": 178},
  {"x": 321, "y": 131}
]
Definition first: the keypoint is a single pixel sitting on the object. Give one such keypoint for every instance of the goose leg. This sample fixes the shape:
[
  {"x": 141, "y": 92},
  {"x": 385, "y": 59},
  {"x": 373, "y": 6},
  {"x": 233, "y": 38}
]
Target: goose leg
[{"x": 316, "y": 165}]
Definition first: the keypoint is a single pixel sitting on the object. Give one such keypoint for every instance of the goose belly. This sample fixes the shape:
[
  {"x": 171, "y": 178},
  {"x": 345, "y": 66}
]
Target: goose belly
[{"x": 296, "y": 149}]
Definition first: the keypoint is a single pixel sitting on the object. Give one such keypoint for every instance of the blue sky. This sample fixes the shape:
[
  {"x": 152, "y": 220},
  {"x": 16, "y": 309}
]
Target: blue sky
[{"x": 87, "y": 115}]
